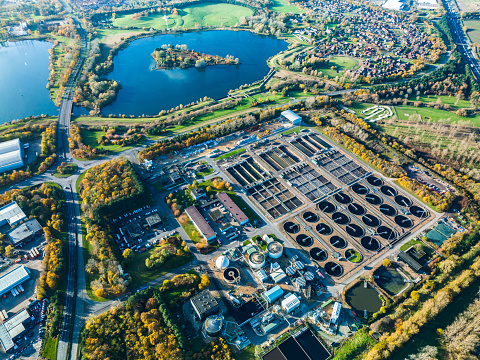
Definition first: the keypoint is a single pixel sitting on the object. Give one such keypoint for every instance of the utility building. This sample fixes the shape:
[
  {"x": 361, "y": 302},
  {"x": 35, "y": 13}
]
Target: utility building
[
  {"x": 11, "y": 155},
  {"x": 204, "y": 304},
  {"x": 11, "y": 214},
  {"x": 201, "y": 224},
  {"x": 291, "y": 117},
  {"x": 233, "y": 208},
  {"x": 25, "y": 232}
]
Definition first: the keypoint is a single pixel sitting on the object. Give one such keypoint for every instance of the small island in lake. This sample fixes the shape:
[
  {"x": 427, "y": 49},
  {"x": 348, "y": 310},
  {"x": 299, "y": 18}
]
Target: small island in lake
[{"x": 178, "y": 56}]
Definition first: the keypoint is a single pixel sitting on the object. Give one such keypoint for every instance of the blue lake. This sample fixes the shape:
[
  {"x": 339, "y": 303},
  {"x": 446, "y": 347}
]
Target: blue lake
[
  {"x": 23, "y": 80},
  {"x": 146, "y": 90}
]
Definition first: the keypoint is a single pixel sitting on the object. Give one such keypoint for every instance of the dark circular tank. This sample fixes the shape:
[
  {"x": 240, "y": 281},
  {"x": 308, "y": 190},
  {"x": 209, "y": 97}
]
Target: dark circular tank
[
  {"x": 371, "y": 220},
  {"x": 338, "y": 242},
  {"x": 291, "y": 227},
  {"x": 318, "y": 254},
  {"x": 323, "y": 229}
]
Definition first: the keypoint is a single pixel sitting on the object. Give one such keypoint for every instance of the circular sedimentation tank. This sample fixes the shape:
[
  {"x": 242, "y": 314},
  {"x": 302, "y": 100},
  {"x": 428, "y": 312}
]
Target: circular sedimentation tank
[
  {"x": 231, "y": 274},
  {"x": 418, "y": 212},
  {"x": 340, "y": 218},
  {"x": 386, "y": 233},
  {"x": 370, "y": 243},
  {"x": 333, "y": 269},
  {"x": 356, "y": 209},
  {"x": 353, "y": 256},
  {"x": 213, "y": 326},
  {"x": 388, "y": 210},
  {"x": 375, "y": 181},
  {"x": 403, "y": 221},
  {"x": 318, "y": 254},
  {"x": 310, "y": 217},
  {"x": 275, "y": 249},
  {"x": 373, "y": 199},
  {"x": 360, "y": 189},
  {"x": 354, "y": 230},
  {"x": 291, "y": 227},
  {"x": 338, "y": 242},
  {"x": 326, "y": 207},
  {"x": 323, "y": 229},
  {"x": 256, "y": 260},
  {"x": 342, "y": 198},
  {"x": 304, "y": 240},
  {"x": 371, "y": 220},
  {"x": 388, "y": 190},
  {"x": 403, "y": 200}
]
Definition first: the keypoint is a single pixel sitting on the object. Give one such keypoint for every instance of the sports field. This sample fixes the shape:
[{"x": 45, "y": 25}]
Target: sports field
[
  {"x": 284, "y": 7},
  {"x": 203, "y": 14}
]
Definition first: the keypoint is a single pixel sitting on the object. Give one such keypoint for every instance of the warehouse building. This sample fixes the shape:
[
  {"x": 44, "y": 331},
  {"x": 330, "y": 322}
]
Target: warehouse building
[
  {"x": 204, "y": 304},
  {"x": 153, "y": 221},
  {"x": 290, "y": 303},
  {"x": 25, "y": 232},
  {"x": 13, "y": 328},
  {"x": 13, "y": 278},
  {"x": 291, "y": 117},
  {"x": 201, "y": 224},
  {"x": 11, "y": 214},
  {"x": 232, "y": 208},
  {"x": 11, "y": 155},
  {"x": 273, "y": 294}
]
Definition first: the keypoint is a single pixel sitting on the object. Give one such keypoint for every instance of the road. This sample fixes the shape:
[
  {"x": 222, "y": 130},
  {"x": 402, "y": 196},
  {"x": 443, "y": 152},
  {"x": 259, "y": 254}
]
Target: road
[{"x": 460, "y": 38}]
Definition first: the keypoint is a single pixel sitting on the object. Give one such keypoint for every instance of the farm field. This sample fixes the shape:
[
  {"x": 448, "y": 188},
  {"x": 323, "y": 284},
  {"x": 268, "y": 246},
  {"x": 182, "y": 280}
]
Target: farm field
[
  {"x": 203, "y": 14},
  {"x": 469, "y": 5},
  {"x": 473, "y": 28},
  {"x": 284, "y": 7}
]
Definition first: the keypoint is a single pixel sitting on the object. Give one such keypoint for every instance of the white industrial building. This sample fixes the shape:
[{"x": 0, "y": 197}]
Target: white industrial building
[
  {"x": 13, "y": 328},
  {"x": 11, "y": 214},
  {"x": 427, "y": 4},
  {"x": 13, "y": 278},
  {"x": 337, "y": 308},
  {"x": 394, "y": 5},
  {"x": 290, "y": 303},
  {"x": 11, "y": 155},
  {"x": 293, "y": 118},
  {"x": 25, "y": 232}
]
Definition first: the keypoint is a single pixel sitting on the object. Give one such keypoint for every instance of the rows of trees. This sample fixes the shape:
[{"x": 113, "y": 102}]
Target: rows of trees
[
  {"x": 144, "y": 328},
  {"x": 49, "y": 148},
  {"x": 165, "y": 250},
  {"x": 107, "y": 190}
]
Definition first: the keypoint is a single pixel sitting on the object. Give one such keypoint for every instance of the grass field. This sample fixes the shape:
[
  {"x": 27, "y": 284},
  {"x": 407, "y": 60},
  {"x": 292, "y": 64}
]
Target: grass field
[
  {"x": 203, "y": 14},
  {"x": 469, "y": 5},
  {"x": 427, "y": 114},
  {"x": 341, "y": 63},
  {"x": 231, "y": 153},
  {"x": 50, "y": 351},
  {"x": 450, "y": 100},
  {"x": 141, "y": 274},
  {"x": 284, "y": 7},
  {"x": 296, "y": 129},
  {"x": 90, "y": 138},
  {"x": 473, "y": 29}
]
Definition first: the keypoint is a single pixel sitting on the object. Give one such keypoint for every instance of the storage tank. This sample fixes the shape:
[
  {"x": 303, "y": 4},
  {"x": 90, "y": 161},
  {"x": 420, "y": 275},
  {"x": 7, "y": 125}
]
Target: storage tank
[
  {"x": 275, "y": 249},
  {"x": 222, "y": 262},
  {"x": 231, "y": 275},
  {"x": 256, "y": 260},
  {"x": 213, "y": 326}
]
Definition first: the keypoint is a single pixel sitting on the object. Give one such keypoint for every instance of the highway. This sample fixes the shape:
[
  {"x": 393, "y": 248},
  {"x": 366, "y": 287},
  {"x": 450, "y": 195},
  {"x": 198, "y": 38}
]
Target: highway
[
  {"x": 70, "y": 198},
  {"x": 460, "y": 38}
]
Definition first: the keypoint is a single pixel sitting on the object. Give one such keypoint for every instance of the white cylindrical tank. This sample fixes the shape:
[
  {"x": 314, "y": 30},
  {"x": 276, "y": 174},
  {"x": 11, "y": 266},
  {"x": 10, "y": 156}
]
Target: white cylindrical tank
[
  {"x": 275, "y": 249},
  {"x": 256, "y": 260},
  {"x": 222, "y": 262}
]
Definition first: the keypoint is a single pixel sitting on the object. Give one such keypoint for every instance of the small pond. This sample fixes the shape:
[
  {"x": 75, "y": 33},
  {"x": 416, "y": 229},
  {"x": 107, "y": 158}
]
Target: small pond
[
  {"x": 390, "y": 280},
  {"x": 362, "y": 298}
]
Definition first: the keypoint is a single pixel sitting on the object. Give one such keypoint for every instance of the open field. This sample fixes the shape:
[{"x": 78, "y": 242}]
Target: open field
[
  {"x": 231, "y": 153},
  {"x": 341, "y": 63},
  {"x": 426, "y": 114},
  {"x": 448, "y": 100},
  {"x": 203, "y": 14},
  {"x": 284, "y": 7},
  {"x": 473, "y": 28},
  {"x": 469, "y": 5},
  {"x": 90, "y": 138},
  {"x": 111, "y": 37}
]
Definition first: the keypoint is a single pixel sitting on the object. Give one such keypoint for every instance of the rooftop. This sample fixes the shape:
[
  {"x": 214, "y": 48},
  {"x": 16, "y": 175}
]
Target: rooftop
[
  {"x": 11, "y": 214},
  {"x": 24, "y": 231},
  {"x": 204, "y": 301},
  {"x": 153, "y": 219},
  {"x": 200, "y": 222},
  {"x": 13, "y": 277},
  {"x": 236, "y": 212},
  {"x": 290, "y": 115},
  {"x": 10, "y": 154},
  {"x": 273, "y": 294}
]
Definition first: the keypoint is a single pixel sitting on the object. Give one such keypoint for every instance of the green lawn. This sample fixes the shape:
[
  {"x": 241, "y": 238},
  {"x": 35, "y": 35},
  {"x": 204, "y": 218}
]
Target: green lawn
[
  {"x": 284, "y": 7},
  {"x": 341, "y": 64},
  {"x": 190, "y": 229},
  {"x": 50, "y": 351},
  {"x": 204, "y": 173},
  {"x": 473, "y": 29},
  {"x": 409, "y": 244},
  {"x": 231, "y": 153},
  {"x": 69, "y": 170},
  {"x": 90, "y": 138},
  {"x": 246, "y": 354},
  {"x": 141, "y": 275},
  {"x": 449, "y": 100},
  {"x": 295, "y": 129},
  {"x": 354, "y": 348},
  {"x": 203, "y": 14}
]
